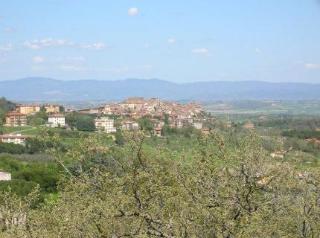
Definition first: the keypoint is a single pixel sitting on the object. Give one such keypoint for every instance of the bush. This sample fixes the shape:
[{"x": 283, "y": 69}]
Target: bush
[
  {"x": 46, "y": 174},
  {"x": 12, "y": 148},
  {"x": 18, "y": 186},
  {"x": 80, "y": 122}
]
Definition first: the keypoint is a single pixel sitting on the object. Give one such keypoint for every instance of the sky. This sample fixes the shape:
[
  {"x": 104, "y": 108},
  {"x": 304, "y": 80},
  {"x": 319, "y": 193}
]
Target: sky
[{"x": 174, "y": 40}]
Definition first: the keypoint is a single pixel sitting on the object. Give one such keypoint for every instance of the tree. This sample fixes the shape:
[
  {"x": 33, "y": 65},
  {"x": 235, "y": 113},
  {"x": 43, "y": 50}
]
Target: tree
[
  {"x": 80, "y": 122},
  {"x": 146, "y": 124},
  {"x": 223, "y": 187},
  {"x": 5, "y": 106},
  {"x": 40, "y": 118}
]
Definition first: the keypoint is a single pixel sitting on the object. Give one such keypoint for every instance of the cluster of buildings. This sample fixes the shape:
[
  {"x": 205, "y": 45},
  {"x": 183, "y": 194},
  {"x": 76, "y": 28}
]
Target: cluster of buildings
[
  {"x": 56, "y": 120},
  {"x": 130, "y": 110},
  {"x": 29, "y": 109},
  {"x": 17, "y": 139},
  {"x": 105, "y": 124},
  {"x": 139, "y": 107},
  {"x": 18, "y": 117}
]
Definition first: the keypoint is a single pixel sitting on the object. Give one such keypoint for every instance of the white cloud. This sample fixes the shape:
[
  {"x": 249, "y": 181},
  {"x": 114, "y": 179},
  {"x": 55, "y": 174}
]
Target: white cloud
[
  {"x": 47, "y": 42},
  {"x": 172, "y": 40},
  {"x": 201, "y": 51},
  {"x": 133, "y": 11},
  {"x": 38, "y": 59},
  {"x": 312, "y": 66},
  {"x": 94, "y": 46},
  {"x": 7, "y": 47}
]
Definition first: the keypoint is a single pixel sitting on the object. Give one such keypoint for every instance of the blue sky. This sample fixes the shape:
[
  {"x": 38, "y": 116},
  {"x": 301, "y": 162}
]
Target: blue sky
[{"x": 175, "y": 40}]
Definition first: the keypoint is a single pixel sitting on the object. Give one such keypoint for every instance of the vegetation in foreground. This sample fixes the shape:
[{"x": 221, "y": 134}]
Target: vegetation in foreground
[
  {"x": 232, "y": 182},
  {"x": 221, "y": 186}
]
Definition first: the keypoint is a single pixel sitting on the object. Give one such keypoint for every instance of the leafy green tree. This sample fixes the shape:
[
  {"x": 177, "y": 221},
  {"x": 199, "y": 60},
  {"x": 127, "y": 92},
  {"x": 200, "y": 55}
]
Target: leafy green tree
[
  {"x": 40, "y": 118},
  {"x": 146, "y": 124},
  {"x": 85, "y": 123},
  {"x": 80, "y": 122},
  {"x": 5, "y": 106},
  {"x": 11, "y": 148},
  {"x": 223, "y": 186},
  {"x": 119, "y": 138}
]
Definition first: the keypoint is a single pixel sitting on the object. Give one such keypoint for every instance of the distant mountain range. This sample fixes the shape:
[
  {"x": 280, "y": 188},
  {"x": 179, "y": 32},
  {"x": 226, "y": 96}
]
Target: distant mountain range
[{"x": 45, "y": 89}]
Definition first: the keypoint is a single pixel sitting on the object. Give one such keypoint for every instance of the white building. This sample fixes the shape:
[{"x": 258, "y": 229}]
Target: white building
[
  {"x": 57, "y": 120},
  {"x": 17, "y": 139},
  {"x": 197, "y": 125},
  {"x": 5, "y": 176},
  {"x": 130, "y": 126},
  {"x": 105, "y": 124}
]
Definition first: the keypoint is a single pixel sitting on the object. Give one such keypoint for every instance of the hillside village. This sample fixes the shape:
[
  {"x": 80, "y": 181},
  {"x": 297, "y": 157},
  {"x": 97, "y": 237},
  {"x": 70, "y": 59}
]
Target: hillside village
[{"x": 128, "y": 115}]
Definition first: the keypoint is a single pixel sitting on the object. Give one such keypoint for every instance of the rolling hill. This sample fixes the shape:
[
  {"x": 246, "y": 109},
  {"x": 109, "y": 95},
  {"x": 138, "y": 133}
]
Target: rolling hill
[{"x": 45, "y": 89}]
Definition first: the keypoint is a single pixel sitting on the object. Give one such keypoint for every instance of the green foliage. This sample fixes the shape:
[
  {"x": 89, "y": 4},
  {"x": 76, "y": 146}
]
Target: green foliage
[
  {"x": 80, "y": 122},
  {"x": 27, "y": 174},
  {"x": 187, "y": 132},
  {"x": 226, "y": 190},
  {"x": 47, "y": 140},
  {"x": 11, "y": 148},
  {"x": 5, "y": 106},
  {"x": 302, "y": 134},
  {"x": 146, "y": 124},
  {"x": 223, "y": 184},
  {"x": 40, "y": 118},
  {"x": 18, "y": 186},
  {"x": 119, "y": 138}
]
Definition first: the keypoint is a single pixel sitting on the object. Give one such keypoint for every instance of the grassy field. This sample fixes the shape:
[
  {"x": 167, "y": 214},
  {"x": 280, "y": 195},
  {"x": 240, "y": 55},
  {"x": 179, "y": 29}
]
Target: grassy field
[{"x": 264, "y": 107}]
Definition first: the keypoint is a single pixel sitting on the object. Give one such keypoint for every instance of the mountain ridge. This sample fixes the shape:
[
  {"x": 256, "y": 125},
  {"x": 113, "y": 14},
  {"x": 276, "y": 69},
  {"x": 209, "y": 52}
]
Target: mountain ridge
[{"x": 49, "y": 89}]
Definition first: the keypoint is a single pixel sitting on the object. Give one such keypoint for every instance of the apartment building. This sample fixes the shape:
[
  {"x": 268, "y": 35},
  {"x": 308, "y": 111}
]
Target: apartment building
[
  {"x": 198, "y": 125},
  {"x": 52, "y": 108},
  {"x": 15, "y": 119},
  {"x": 28, "y": 109},
  {"x": 56, "y": 120},
  {"x": 17, "y": 139},
  {"x": 130, "y": 126},
  {"x": 105, "y": 124}
]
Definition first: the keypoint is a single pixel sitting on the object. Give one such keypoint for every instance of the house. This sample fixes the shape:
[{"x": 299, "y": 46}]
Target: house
[
  {"x": 5, "y": 176},
  {"x": 249, "y": 126},
  {"x": 51, "y": 108},
  {"x": 56, "y": 120},
  {"x": 91, "y": 111},
  {"x": 130, "y": 126},
  {"x": 17, "y": 139},
  {"x": 105, "y": 124},
  {"x": 197, "y": 125},
  {"x": 157, "y": 131},
  {"x": 133, "y": 104},
  {"x": 14, "y": 119},
  {"x": 278, "y": 154},
  {"x": 28, "y": 109}
]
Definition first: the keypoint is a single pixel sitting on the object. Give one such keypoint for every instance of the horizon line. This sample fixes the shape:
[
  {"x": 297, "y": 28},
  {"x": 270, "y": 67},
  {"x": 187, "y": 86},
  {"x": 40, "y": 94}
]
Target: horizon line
[{"x": 158, "y": 79}]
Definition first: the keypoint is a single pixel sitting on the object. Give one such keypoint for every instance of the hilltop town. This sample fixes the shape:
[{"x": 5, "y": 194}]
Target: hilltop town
[{"x": 128, "y": 115}]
